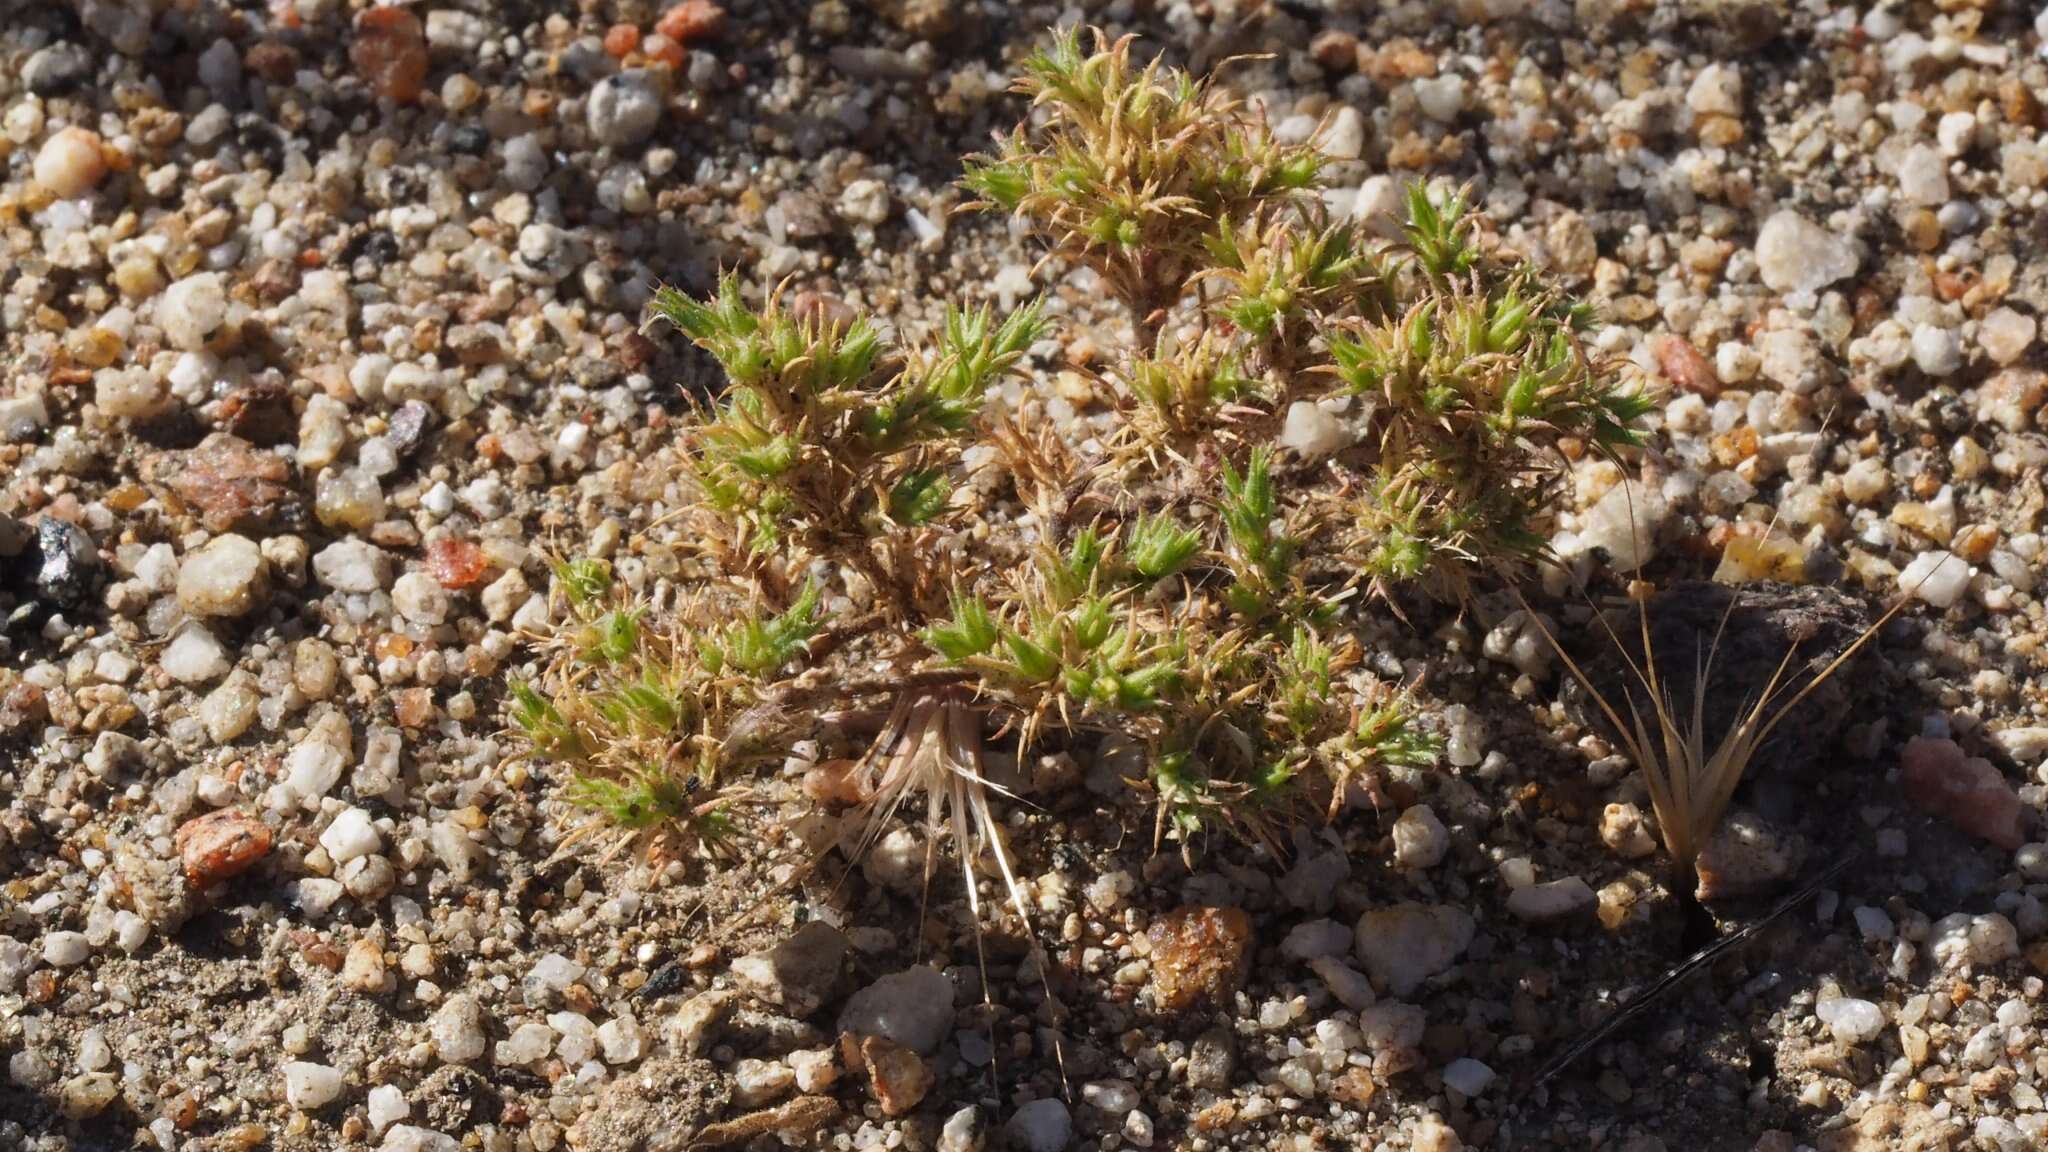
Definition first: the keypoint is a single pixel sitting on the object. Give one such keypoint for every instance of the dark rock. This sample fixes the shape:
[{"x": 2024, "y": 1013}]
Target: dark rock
[
  {"x": 376, "y": 245},
  {"x": 68, "y": 563},
  {"x": 914, "y": 1008},
  {"x": 14, "y": 537},
  {"x": 666, "y": 979},
  {"x": 55, "y": 68},
  {"x": 468, "y": 139},
  {"x": 1740, "y": 27},
  {"x": 409, "y": 427}
]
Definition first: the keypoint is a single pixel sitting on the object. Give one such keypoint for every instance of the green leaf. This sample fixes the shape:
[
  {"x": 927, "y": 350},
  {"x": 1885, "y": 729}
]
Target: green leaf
[
  {"x": 1248, "y": 504},
  {"x": 1627, "y": 407},
  {"x": 762, "y": 647},
  {"x": 849, "y": 356},
  {"x": 1078, "y": 681},
  {"x": 1069, "y": 576},
  {"x": 1386, "y": 732},
  {"x": 1508, "y": 325},
  {"x": 585, "y": 580},
  {"x": 1033, "y": 661},
  {"x": 971, "y": 357},
  {"x": 542, "y": 724},
  {"x": 1257, "y": 316},
  {"x": 919, "y": 496},
  {"x": 770, "y": 460},
  {"x": 1003, "y": 182},
  {"x": 617, "y": 636},
  {"x": 1303, "y": 689},
  {"x": 1360, "y": 363},
  {"x": 1436, "y": 233},
  {"x": 1331, "y": 256},
  {"x": 646, "y": 705},
  {"x": 1247, "y": 600},
  {"x": 1143, "y": 688},
  {"x": 1020, "y": 330},
  {"x": 1520, "y": 399},
  {"x": 646, "y": 798},
  {"x": 972, "y": 631},
  {"x": 1270, "y": 779},
  {"x": 1299, "y": 169},
  {"x": 1159, "y": 547},
  {"x": 1400, "y": 555},
  {"x": 1092, "y": 623},
  {"x": 530, "y": 710},
  {"x": 1420, "y": 334},
  {"x": 722, "y": 325},
  {"x": 723, "y": 317}
]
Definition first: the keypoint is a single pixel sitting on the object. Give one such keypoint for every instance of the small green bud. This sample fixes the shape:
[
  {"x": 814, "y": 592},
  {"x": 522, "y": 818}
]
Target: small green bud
[
  {"x": 1033, "y": 661},
  {"x": 1078, "y": 682},
  {"x": 971, "y": 633},
  {"x": 1159, "y": 547},
  {"x": 1092, "y": 623}
]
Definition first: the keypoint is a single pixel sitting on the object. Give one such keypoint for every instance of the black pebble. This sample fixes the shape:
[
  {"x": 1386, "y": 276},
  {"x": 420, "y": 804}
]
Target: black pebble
[
  {"x": 409, "y": 427},
  {"x": 69, "y": 563},
  {"x": 666, "y": 979}
]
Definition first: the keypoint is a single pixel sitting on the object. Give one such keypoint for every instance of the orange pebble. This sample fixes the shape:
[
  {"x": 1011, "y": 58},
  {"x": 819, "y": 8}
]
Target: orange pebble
[
  {"x": 390, "y": 52},
  {"x": 692, "y": 20},
  {"x": 620, "y": 40},
  {"x": 663, "y": 50}
]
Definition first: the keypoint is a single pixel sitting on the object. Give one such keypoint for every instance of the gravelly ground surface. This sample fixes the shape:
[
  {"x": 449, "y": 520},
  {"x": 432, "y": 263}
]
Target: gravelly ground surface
[{"x": 321, "y": 335}]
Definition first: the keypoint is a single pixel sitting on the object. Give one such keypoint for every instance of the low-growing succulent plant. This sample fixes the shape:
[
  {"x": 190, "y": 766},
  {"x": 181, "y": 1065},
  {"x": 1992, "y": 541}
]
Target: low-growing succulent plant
[{"x": 1201, "y": 585}]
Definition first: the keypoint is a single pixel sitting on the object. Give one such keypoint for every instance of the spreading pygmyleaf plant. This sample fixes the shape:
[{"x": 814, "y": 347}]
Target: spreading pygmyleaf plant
[
  {"x": 645, "y": 715},
  {"x": 826, "y": 434},
  {"x": 1309, "y": 419}
]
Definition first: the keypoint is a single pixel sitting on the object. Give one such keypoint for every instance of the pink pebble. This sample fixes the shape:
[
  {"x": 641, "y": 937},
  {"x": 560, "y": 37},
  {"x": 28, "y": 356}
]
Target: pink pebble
[{"x": 1970, "y": 793}]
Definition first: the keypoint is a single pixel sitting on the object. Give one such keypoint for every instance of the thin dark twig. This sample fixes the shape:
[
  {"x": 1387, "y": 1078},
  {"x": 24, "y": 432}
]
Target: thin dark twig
[{"x": 1600, "y": 1032}]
